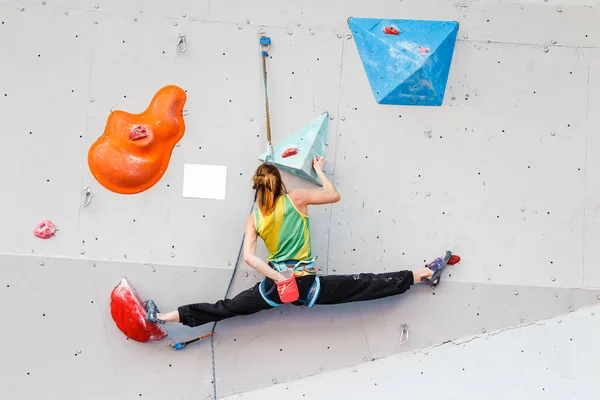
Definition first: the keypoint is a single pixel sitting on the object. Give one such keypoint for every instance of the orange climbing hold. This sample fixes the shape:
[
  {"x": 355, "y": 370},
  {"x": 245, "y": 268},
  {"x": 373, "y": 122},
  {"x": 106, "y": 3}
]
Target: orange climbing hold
[{"x": 135, "y": 149}]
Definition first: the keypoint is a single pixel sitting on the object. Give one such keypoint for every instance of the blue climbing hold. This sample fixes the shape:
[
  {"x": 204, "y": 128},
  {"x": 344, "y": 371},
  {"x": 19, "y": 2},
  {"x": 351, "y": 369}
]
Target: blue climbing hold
[
  {"x": 295, "y": 153},
  {"x": 407, "y": 61}
]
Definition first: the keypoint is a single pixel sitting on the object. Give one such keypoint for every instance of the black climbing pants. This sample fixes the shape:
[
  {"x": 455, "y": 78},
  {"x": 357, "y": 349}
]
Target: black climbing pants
[{"x": 335, "y": 289}]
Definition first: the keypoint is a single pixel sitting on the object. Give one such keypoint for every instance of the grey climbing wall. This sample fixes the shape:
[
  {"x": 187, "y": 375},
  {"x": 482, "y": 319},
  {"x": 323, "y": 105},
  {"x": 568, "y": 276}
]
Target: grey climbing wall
[{"x": 504, "y": 174}]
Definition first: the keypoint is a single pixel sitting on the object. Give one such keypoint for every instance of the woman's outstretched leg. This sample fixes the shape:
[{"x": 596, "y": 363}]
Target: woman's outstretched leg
[
  {"x": 247, "y": 302},
  {"x": 337, "y": 289}
]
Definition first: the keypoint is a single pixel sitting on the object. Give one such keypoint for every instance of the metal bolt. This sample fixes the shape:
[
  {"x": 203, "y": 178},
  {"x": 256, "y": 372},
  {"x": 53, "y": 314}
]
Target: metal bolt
[
  {"x": 95, "y": 22},
  {"x": 522, "y": 209},
  {"x": 560, "y": 321},
  {"x": 489, "y": 278},
  {"x": 251, "y": 119},
  {"x": 91, "y": 99},
  {"x": 571, "y": 309},
  {"x": 312, "y": 32},
  {"x": 457, "y": 4},
  {"x": 348, "y": 36},
  {"x": 554, "y": 42},
  {"x": 343, "y": 118},
  {"x": 178, "y": 144},
  {"x": 559, "y": 9},
  {"x": 41, "y": 263},
  {"x": 78, "y": 351},
  {"x": 195, "y": 269},
  {"x": 172, "y": 255},
  {"x": 516, "y": 292},
  {"x": 552, "y": 133},
  {"x": 240, "y": 27},
  {"x": 135, "y": 19},
  {"x": 184, "y": 15},
  {"x": 598, "y": 297},
  {"x": 274, "y": 381},
  {"x": 546, "y": 49},
  {"x": 43, "y": 3},
  {"x": 473, "y": 287},
  {"x": 331, "y": 117},
  {"x": 553, "y": 279},
  {"x": 22, "y": 9},
  {"x": 246, "y": 274},
  {"x": 334, "y": 269},
  {"x": 140, "y": 12},
  {"x": 365, "y": 359},
  {"x": 426, "y": 353},
  {"x": 175, "y": 23},
  {"x": 82, "y": 252},
  {"x": 464, "y": 5},
  {"x": 483, "y": 330},
  {"x": 290, "y": 32},
  {"x": 522, "y": 320},
  {"x": 465, "y": 36},
  {"x": 428, "y": 133},
  {"x": 66, "y": 13},
  {"x": 593, "y": 314},
  {"x": 93, "y": 265},
  {"x": 339, "y": 35},
  {"x": 261, "y": 32},
  {"x": 556, "y": 295},
  {"x": 153, "y": 269},
  {"x": 427, "y": 194},
  {"x": 125, "y": 255},
  {"x": 96, "y": 6}
]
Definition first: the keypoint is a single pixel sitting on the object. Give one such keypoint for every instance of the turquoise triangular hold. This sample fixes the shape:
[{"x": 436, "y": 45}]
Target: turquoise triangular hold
[
  {"x": 407, "y": 62},
  {"x": 295, "y": 153}
]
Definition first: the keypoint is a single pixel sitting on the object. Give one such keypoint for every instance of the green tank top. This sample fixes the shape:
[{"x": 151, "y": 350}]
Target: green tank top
[{"x": 286, "y": 231}]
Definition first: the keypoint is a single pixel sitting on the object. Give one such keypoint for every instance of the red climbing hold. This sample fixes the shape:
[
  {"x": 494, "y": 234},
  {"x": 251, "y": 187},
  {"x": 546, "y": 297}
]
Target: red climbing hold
[
  {"x": 128, "y": 312},
  {"x": 290, "y": 152},
  {"x": 423, "y": 49},
  {"x": 391, "y": 30},
  {"x": 138, "y": 132},
  {"x": 45, "y": 230},
  {"x": 454, "y": 259}
]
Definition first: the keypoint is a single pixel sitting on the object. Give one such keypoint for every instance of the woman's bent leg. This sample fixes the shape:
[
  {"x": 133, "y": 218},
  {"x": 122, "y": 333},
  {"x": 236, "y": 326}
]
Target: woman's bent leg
[
  {"x": 247, "y": 302},
  {"x": 337, "y": 289}
]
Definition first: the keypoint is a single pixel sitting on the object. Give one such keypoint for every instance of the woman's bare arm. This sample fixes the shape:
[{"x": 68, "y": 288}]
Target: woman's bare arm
[{"x": 251, "y": 258}]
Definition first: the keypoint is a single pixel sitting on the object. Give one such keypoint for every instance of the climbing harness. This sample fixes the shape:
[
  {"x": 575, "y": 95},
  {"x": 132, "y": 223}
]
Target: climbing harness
[
  {"x": 181, "y": 44},
  {"x": 265, "y": 46},
  {"x": 301, "y": 267}
]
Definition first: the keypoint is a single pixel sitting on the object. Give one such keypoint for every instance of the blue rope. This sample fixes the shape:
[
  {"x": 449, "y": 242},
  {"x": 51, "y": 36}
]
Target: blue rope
[{"x": 212, "y": 338}]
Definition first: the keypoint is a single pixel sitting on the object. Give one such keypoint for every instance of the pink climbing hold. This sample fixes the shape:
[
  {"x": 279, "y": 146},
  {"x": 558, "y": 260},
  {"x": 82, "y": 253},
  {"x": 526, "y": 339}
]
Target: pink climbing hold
[
  {"x": 45, "y": 230},
  {"x": 290, "y": 152},
  {"x": 391, "y": 30},
  {"x": 423, "y": 49}
]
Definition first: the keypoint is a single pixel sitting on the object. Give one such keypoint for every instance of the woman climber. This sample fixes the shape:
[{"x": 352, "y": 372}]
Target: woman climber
[{"x": 281, "y": 221}]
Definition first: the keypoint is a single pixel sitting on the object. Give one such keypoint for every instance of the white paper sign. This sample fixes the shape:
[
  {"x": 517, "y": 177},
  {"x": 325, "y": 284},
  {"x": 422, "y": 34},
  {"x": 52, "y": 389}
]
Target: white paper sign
[{"x": 204, "y": 181}]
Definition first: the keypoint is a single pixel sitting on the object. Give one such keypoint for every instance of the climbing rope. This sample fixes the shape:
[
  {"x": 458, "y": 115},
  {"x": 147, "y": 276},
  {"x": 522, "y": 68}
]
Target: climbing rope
[{"x": 265, "y": 46}]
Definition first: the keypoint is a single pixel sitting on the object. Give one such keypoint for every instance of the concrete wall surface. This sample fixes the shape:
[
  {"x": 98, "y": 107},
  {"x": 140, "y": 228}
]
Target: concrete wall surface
[{"x": 504, "y": 173}]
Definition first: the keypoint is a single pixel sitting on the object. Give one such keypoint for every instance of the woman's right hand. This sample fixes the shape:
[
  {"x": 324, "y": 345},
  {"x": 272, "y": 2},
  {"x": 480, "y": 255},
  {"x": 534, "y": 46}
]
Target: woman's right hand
[{"x": 319, "y": 163}]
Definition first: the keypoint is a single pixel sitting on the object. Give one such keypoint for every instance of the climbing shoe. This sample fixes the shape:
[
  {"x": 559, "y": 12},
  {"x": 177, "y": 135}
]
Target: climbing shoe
[
  {"x": 437, "y": 266},
  {"x": 152, "y": 312}
]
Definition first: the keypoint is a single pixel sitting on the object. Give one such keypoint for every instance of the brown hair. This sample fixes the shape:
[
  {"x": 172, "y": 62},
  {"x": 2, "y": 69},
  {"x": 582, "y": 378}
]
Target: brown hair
[{"x": 269, "y": 186}]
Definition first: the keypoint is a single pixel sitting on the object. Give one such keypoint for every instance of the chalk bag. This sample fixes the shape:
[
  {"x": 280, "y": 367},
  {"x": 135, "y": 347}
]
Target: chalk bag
[{"x": 288, "y": 288}]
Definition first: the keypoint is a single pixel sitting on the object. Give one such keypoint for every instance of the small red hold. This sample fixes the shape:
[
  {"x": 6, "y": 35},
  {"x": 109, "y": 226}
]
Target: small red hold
[
  {"x": 138, "y": 132},
  {"x": 290, "y": 152},
  {"x": 423, "y": 49},
  {"x": 391, "y": 30},
  {"x": 45, "y": 230},
  {"x": 454, "y": 259}
]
